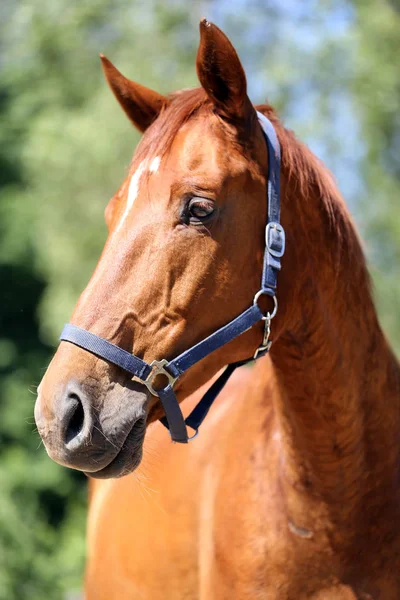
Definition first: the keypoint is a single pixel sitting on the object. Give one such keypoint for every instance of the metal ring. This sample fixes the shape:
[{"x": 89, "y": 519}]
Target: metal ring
[
  {"x": 274, "y": 298},
  {"x": 196, "y": 433}
]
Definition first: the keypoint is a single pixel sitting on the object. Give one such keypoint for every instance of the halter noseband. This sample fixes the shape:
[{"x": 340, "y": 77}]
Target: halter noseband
[{"x": 173, "y": 369}]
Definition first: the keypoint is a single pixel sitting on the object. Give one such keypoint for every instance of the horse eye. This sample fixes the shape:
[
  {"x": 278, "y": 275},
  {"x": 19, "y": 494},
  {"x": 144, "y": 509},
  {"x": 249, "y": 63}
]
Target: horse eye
[{"x": 200, "y": 209}]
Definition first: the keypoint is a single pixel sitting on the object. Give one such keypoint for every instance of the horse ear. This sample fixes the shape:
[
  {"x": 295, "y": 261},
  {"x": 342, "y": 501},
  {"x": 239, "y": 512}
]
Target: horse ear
[
  {"x": 221, "y": 73},
  {"x": 141, "y": 104}
]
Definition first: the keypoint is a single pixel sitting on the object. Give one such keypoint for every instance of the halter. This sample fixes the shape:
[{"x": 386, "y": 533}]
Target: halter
[{"x": 145, "y": 373}]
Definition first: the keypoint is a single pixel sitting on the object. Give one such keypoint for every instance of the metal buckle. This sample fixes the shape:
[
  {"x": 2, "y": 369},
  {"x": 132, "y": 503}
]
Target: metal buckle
[
  {"x": 157, "y": 368},
  {"x": 274, "y": 225},
  {"x": 266, "y": 342}
]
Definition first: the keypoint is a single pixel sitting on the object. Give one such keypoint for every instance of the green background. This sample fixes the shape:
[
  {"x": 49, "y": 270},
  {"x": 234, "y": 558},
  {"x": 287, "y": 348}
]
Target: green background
[{"x": 331, "y": 69}]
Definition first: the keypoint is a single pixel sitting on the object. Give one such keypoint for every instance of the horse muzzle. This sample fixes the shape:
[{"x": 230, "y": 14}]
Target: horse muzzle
[{"x": 101, "y": 435}]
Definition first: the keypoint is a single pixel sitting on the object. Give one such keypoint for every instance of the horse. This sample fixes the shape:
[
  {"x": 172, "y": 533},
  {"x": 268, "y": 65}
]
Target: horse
[{"x": 291, "y": 489}]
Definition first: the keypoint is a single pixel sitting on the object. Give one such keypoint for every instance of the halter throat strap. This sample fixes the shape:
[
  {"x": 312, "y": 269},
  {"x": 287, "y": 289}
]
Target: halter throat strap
[{"x": 146, "y": 373}]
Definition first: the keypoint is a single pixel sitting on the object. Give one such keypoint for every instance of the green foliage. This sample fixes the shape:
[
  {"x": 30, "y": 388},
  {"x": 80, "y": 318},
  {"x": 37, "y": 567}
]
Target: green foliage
[
  {"x": 376, "y": 87},
  {"x": 64, "y": 149}
]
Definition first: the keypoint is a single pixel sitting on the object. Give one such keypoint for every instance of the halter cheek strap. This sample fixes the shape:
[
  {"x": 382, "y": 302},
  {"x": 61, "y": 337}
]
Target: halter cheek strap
[{"x": 146, "y": 373}]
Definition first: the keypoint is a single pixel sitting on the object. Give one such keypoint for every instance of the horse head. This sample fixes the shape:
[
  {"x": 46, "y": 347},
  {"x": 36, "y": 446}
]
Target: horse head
[{"x": 183, "y": 256}]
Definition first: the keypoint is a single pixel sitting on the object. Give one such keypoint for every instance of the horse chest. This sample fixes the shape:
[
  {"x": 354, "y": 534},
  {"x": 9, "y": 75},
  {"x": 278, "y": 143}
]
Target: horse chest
[
  {"x": 212, "y": 557},
  {"x": 191, "y": 527}
]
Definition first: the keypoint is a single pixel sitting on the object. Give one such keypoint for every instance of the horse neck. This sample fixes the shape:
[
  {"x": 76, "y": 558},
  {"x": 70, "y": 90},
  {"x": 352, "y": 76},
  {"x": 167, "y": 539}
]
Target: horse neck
[{"x": 338, "y": 381}]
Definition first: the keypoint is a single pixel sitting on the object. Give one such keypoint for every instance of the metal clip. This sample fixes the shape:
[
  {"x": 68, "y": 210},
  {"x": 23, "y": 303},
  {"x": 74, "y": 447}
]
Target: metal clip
[{"x": 266, "y": 342}]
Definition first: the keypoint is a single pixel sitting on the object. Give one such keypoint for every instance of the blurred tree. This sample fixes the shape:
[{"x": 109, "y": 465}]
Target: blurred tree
[
  {"x": 376, "y": 88},
  {"x": 63, "y": 149}
]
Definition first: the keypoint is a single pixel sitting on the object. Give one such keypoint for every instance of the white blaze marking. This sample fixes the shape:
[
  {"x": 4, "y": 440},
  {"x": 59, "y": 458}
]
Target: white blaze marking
[
  {"x": 155, "y": 163},
  {"x": 134, "y": 186},
  {"x": 132, "y": 192}
]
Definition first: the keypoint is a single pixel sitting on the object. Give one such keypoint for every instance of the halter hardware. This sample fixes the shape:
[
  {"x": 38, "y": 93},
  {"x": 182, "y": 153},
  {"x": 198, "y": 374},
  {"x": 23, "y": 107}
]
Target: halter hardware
[
  {"x": 275, "y": 239},
  {"x": 157, "y": 368},
  {"x": 266, "y": 342},
  {"x": 173, "y": 369},
  {"x": 274, "y": 298}
]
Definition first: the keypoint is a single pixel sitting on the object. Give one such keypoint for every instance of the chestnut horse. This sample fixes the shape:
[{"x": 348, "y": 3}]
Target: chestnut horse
[{"x": 291, "y": 490}]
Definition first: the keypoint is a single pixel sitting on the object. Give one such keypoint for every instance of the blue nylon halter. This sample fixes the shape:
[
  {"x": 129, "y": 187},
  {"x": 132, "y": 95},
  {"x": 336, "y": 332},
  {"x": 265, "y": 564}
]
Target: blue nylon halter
[{"x": 145, "y": 373}]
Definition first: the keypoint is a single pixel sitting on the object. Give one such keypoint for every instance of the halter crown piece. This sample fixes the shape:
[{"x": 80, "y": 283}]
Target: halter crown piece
[{"x": 173, "y": 369}]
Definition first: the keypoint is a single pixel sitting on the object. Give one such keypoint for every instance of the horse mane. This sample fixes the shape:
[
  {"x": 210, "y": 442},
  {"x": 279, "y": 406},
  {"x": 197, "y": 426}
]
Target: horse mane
[
  {"x": 179, "y": 108},
  {"x": 303, "y": 168},
  {"x": 308, "y": 177},
  {"x": 306, "y": 174}
]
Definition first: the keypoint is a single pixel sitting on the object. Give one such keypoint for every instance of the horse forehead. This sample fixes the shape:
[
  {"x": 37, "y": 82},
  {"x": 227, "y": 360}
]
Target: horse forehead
[{"x": 202, "y": 146}]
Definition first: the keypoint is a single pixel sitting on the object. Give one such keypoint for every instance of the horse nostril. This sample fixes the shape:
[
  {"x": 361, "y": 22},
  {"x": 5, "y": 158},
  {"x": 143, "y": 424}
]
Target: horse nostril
[{"x": 76, "y": 418}]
